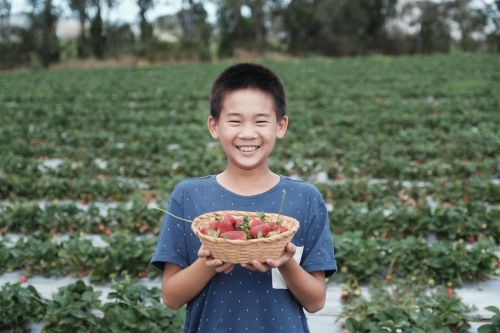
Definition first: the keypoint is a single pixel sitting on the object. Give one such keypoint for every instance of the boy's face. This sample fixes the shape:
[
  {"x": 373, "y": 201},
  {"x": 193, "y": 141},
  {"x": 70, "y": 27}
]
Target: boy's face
[{"x": 247, "y": 128}]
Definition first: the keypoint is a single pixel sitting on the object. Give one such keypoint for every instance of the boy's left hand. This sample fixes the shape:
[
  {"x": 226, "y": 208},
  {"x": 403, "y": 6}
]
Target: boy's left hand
[{"x": 270, "y": 263}]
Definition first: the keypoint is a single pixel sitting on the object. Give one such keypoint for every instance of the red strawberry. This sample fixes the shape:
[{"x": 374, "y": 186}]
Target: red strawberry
[
  {"x": 273, "y": 225},
  {"x": 234, "y": 235},
  {"x": 2, "y": 231},
  {"x": 23, "y": 278},
  {"x": 450, "y": 292},
  {"x": 255, "y": 221},
  {"x": 143, "y": 274},
  {"x": 260, "y": 230},
  {"x": 229, "y": 218},
  {"x": 472, "y": 239},
  {"x": 101, "y": 228},
  {"x": 214, "y": 225},
  {"x": 239, "y": 223},
  {"x": 225, "y": 225},
  {"x": 281, "y": 229},
  {"x": 345, "y": 295},
  {"x": 205, "y": 231}
]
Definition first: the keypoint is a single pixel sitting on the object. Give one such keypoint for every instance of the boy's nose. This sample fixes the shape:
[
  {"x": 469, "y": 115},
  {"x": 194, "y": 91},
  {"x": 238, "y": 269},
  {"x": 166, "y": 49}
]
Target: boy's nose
[{"x": 247, "y": 132}]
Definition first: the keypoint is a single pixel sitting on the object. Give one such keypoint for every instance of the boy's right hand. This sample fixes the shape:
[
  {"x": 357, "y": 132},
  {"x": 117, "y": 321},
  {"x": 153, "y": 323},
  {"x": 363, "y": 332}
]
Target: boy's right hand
[{"x": 217, "y": 264}]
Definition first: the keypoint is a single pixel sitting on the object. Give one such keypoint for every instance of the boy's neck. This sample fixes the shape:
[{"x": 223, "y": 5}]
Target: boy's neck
[{"x": 247, "y": 183}]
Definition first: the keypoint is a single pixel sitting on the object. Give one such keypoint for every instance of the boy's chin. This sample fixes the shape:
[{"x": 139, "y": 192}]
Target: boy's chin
[{"x": 249, "y": 166}]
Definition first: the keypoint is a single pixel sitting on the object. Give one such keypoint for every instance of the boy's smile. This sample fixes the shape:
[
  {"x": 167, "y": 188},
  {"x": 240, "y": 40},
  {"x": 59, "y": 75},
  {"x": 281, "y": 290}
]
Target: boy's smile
[
  {"x": 247, "y": 149},
  {"x": 247, "y": 129}
]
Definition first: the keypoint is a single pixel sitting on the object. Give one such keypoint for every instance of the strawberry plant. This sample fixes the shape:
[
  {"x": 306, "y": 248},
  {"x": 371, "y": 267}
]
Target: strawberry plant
[
  {"x": 136, "y": 308},
  {"x": 406, "y": 308},
  {"x": 440, "y": 261},
  {"x": 78, "y": 256},
  {"x": 363, "y": 258},
  {"x": 125, "y": 257},
  {"x": 72, "y": 309},
  {"x": 36, "y": 255},
  {"x": 4, "y": 256},
  {"x": 494, "y": 327},
  {"x": 20, "y": 306}
]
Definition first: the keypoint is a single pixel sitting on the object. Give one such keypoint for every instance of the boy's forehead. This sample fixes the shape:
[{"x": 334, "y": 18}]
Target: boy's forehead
[{"x": 243, "y": 95}]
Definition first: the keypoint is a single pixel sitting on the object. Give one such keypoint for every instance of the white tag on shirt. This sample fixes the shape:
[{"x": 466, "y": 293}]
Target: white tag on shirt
[{"x": 278, "y": 281}]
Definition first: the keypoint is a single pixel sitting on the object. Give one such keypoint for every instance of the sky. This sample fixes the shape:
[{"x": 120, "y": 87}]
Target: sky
[{"x": 127, "y": 11}]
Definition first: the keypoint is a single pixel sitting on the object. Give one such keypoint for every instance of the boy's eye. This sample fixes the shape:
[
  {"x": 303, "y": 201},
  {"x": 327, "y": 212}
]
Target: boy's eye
[
  {"x": 234, "y": 121},
  {"x": 261, "y": 121}
]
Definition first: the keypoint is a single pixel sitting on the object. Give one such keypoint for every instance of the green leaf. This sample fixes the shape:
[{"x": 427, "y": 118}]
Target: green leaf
[
  {"x": 493, "y": 309},
  {"x": 143, "y": 311},
  {"x": 486, "y": 329},
  {"x": 351, "y": 325},
  {"x": 78, "y": 313}
]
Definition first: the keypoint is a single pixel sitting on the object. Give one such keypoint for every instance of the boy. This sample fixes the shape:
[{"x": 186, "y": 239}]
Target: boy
[{"x": 247, "y": 114}]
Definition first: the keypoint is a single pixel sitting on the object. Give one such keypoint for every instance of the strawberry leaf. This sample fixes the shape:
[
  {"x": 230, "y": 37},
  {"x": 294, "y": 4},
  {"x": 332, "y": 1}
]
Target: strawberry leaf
[{"x": 214, "y": 233}]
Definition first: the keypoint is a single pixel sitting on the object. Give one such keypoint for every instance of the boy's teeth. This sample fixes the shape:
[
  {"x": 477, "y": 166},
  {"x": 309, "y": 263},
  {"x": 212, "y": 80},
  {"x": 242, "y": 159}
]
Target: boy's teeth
[{"x": 248, "y": 148}]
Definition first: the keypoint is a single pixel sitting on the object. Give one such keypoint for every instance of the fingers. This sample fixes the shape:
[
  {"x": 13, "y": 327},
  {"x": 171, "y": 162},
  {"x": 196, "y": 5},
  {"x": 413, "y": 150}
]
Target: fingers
[
  {"x": 290, "y": 247},
  {"x": 202, "y": 253},
  {"x": 256, "y": 266},
  {"x": 249, "y": 267},
  {"x": 218, "y": 265},
  {"x": 226, "y": 268},
  {"x": 290, "y": 250},
  {"x": 273, "y": 263},
  {"x": 229, "y": 269}
]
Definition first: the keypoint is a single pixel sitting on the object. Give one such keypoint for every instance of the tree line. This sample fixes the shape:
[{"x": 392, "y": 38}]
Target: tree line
[{"x": 295, "y": 27}]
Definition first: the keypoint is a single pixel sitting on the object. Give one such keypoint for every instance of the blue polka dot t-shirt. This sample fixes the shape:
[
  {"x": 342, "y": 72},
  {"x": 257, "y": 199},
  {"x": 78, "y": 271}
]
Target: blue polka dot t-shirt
[{"x": 246, "y": 301}]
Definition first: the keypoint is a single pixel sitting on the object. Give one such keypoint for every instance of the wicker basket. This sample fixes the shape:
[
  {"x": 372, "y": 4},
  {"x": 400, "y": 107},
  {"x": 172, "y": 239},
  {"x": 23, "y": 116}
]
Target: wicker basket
[{"x": 244, "y": 251}]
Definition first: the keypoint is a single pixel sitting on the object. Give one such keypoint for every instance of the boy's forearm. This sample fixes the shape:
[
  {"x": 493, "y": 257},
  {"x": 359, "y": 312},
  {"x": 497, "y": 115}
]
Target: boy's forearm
[
  {"x": 308, "y": 289},
  {"x": 184, "y": 285}
]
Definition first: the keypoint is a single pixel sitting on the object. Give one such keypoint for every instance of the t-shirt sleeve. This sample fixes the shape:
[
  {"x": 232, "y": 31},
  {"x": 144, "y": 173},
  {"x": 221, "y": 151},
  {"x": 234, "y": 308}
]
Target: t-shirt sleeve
[
  {"x": 318, "y": 253},
  {"x": 171, "y": 245}
]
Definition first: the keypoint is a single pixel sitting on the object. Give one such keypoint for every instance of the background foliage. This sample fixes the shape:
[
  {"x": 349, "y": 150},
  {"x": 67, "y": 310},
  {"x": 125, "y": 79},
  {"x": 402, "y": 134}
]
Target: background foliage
[{"x": 251, "y": 27}]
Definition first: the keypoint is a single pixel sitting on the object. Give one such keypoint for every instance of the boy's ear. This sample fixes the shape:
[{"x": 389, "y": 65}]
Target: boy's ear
[
  {"x": 213, "y": 128},
  {"x": 282, "y": 126}
]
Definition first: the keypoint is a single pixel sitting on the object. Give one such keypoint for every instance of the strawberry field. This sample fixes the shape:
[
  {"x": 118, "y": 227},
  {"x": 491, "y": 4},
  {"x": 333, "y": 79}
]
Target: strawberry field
[{"x": 405, "y": 151}]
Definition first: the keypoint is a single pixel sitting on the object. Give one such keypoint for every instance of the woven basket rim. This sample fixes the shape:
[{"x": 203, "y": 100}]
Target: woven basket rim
[{"x": 286, "y": 234}]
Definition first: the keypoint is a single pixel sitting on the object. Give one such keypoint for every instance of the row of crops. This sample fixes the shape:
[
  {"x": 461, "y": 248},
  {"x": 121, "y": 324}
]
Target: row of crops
[{"x": 405, "y": 152}]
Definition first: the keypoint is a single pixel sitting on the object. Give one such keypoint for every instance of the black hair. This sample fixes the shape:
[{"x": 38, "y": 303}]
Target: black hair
[{"x": 247, "y": 76}]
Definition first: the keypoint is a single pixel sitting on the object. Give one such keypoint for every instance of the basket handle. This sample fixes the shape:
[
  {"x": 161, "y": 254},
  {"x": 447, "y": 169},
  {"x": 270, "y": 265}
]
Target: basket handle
[
  {"x": 282, "y": 202},
  {"x": 177, "y": 217}
]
